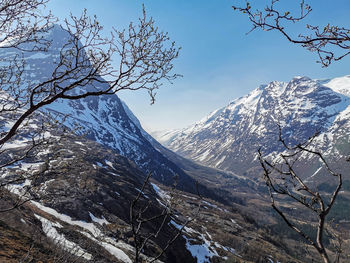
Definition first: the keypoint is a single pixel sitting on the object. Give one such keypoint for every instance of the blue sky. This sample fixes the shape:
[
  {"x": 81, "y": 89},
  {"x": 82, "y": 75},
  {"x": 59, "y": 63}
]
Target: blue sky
[{"x": 218, "y": 61}]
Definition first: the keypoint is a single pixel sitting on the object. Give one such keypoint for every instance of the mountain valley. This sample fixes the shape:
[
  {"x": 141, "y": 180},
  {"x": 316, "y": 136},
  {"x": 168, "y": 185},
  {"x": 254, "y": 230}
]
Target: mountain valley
[{"x": 96, "y": 175}]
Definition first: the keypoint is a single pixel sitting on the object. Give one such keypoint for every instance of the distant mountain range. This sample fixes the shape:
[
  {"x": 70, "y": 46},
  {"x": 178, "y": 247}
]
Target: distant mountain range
[{"x": 229, "y": 137}]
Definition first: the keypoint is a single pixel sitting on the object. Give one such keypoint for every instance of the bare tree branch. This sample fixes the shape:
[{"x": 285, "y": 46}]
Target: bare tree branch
[
  {"x": 138, "y": 219},
  {"x": 85, "y": 65},
  {"x": 330, "y": 42},
  {"x": 282, "y": 181}
]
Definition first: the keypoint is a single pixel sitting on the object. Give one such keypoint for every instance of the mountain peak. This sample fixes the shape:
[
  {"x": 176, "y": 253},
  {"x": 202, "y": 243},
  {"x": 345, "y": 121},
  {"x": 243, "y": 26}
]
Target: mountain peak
[{"x": 227, "y": 138}]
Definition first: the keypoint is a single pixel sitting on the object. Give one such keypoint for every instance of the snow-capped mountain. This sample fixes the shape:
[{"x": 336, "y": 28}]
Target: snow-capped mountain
[
  {"x": 101, "y": 118},
  {"x": 229, "y": 137}
]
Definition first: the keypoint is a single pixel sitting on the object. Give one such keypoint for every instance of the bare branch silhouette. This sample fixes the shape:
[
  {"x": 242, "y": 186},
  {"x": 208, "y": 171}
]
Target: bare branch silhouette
[
  {"x": 330, "y": 42},
  {"x": 283, "y": 181},
  {"x": 86, "y": 64},
  {"x": 138, "y": 219}
]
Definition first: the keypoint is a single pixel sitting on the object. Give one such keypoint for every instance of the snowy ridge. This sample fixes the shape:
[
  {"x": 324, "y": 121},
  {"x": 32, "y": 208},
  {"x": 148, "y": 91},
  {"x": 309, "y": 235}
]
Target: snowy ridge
[
  {"x": 340, "y": 85},
  {"x": 229, "y": 137}
]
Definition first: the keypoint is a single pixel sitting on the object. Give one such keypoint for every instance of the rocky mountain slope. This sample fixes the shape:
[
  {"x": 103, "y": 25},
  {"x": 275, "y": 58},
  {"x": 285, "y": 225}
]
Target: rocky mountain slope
[
  {"x": 102, "y": 119},
  {"x": 229, "y": 137},
  {"x": 79, "y": 205}
]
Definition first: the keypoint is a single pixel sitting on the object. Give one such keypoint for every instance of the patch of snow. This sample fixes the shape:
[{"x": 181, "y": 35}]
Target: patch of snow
[
  {"x": 50, "y": 230},
  {"x": 162, "y": 194},
  {"x": 99, "y": 164},
  {"x": 65, "y": 218},
  {"x": 203, "y": 253},
  {"x": 176, "y": 225},
  {"x": 110, "y": 164},
  {"x": 228, "y": 249},
  {"x": 211, "y": 205},
  {"x": 19, "y": 189},
  {"x": 220, "y": 161},
  {"x": 319, "y": 169},
  {"x": 94, "y": 233},
  {"x": 111, "y": 246},
  {"x": 115, "y": 174},
  {"x": 100, "y": 221}
]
